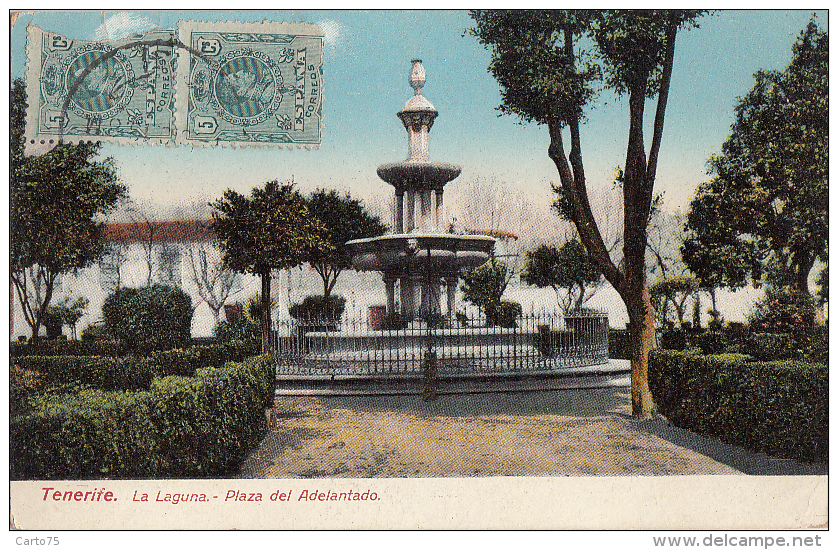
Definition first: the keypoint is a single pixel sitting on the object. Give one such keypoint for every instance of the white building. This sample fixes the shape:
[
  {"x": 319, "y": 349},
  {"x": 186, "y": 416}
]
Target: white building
[{"x": 176, "y": 253}]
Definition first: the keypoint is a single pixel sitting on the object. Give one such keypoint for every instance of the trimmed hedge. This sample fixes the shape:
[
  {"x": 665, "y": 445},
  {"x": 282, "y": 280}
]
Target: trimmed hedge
[
  {"x": 182, "y": 427},
  {"x": 779, "y": 407},
  {"x": 106, "y": 373},
  {"x": 184, "y": 362},
  {"x": 504, "y": 313},
  {"x": 132, "y": 372},
  {"x": 246, "y": 330},
  {"x": 42, "y": 347},
  {"x": 810, "y": 345}
]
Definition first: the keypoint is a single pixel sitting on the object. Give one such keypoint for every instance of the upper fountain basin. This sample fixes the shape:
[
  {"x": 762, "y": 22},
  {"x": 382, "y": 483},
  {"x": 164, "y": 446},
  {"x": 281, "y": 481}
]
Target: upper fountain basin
[{"x": 413, "y": 174}]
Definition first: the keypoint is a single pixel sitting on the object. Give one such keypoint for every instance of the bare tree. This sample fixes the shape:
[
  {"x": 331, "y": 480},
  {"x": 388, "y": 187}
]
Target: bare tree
[
  {"x": 168, "y": 264},
  {"x": 213, "y": 281},
  {"x": 110, "y": 266}
]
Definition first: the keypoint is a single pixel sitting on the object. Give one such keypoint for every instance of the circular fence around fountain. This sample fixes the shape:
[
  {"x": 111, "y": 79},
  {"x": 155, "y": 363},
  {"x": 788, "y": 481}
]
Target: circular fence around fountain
[{"x": 536, "y": 344}]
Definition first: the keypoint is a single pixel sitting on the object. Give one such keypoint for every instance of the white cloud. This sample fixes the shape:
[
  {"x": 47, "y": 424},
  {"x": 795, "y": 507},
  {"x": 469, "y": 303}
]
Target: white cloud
[{"x": 123, "y": 24}]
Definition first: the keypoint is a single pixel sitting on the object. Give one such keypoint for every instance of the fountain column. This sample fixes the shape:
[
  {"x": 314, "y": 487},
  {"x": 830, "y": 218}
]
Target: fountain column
[
  {"x": 390, "y": 289},
  {"x": 451, "y": 287},
  {"x": 399, "y": 211},
  {"x": 430, "y": 296},
  {"x": 438, "y": 209},
  {"x": 411, "y": 210},
  {"x": 426, "y": 224}
]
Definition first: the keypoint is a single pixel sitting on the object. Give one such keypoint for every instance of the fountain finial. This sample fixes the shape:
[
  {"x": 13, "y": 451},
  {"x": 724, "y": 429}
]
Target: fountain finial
[{"x": 417, "y": 76}]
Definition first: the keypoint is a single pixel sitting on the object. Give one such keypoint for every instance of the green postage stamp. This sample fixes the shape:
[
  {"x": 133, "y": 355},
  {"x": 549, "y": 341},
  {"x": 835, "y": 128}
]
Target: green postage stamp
[
  {"x": 251, "y": 83},
  {"x": 204, "y": 84}
]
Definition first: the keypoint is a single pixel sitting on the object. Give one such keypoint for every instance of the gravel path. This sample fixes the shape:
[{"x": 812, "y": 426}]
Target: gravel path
[{"x": 558, "y": 433}]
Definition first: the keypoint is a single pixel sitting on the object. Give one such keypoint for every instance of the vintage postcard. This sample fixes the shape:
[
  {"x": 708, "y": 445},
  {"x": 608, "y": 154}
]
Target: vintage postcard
[{"x": 420, "y": 270}]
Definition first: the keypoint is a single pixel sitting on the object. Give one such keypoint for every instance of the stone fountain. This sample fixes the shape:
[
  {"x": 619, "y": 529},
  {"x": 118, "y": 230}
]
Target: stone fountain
[
  {"x": 421, "y": 256},
  {"x": 418, "y": 259}
]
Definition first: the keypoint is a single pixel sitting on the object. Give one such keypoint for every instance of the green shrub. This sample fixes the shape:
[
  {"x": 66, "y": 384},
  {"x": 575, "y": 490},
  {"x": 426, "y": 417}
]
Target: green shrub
[
  {"x": 462, "y": 319},
  {"x": 242, "y": 330},
  {"x": 778, "y": 407},
  {"x": 24, "y": 385},
  {"x": 711, "y": 342},
  {"x": 92, "y": 434},
  {"x": 95, "y": 332},
  {"x": 768, "y": 346},
  {"x": 674, "y": 339},
  {"x": 783, "y": 311},
  {"x": 108, "y": 373},
  {"x": 149, "y": 318},
  {"x": 213, "y": 419},
  {"x": 110, "y": 348},
  {"x": 184, "y": 362},
  {"x": 619, "y": 343},
  {"x": 318, "y": 308},
  {"x": 436, "y": 320},
  {"x": 133, "y": 372},
  {"x": 505, "y": 313},
  {"x": 816, "y": 345},
  {"x": 395, "y": 321},
  {"x": 181, "y": 428}
]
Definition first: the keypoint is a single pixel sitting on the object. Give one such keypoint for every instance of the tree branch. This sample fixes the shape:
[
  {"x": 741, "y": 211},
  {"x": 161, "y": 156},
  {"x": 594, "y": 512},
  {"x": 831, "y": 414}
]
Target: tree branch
[{"x": 663, "y": 95}]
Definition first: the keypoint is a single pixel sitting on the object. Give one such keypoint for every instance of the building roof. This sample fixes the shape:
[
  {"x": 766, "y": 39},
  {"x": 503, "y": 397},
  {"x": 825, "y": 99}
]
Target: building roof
[{"x": 159, "y": 231}]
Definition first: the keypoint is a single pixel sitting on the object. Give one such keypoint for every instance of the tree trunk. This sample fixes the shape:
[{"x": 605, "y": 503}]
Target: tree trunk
[
  {"x": 266, "y": 311},
  {"x": 642, "y": 331},
  {"x": 697, "y": 311}
]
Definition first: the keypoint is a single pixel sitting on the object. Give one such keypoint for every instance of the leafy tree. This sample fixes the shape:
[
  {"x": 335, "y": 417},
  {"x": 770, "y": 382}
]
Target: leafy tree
[
  {"x": 68, "y": 313},
  {"x": 484, "y": 286},
  {"x": 550, "y": 65},
  {"x": 568, "y": 270},
  {"x": 676, "y": 291},
  {"x": 343, "y": 219},
  {"x": 767, "y": 203},
  {"x": 57, "y": 203},
  {"x": 271, "y": 229}
]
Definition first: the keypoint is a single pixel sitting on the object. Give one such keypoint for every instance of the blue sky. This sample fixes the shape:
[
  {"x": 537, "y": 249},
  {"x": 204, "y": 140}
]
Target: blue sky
[{"x": 367, "y": 59}]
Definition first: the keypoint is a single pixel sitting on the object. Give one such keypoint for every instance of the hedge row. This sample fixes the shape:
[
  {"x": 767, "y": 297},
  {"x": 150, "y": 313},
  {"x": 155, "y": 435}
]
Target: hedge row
[
  {"x": 811, "y": 345},
  {"x": 110, "y": 348},
  {"x": 183, "y": 427},
  {"x": 132, "y": 372},
  {"x": 185, "y": 362},
  {"x": 779, "y": 407}
]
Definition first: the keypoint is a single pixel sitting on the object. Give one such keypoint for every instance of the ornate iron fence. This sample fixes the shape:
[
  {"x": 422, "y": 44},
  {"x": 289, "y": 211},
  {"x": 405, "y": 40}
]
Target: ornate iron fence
[{"x": 356, "y": 347}]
